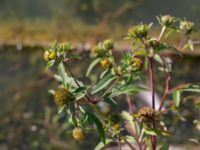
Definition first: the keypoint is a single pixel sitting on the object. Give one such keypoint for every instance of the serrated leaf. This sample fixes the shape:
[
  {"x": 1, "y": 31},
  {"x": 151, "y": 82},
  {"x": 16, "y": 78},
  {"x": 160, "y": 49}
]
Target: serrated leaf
[
  {"x": 177, "y": 98},
  {"x": 91, "y": 66},
  {"x": 103, "y": 82},
  {"x": 101, "y": 145},
  {"x": 92, "y": 118}
]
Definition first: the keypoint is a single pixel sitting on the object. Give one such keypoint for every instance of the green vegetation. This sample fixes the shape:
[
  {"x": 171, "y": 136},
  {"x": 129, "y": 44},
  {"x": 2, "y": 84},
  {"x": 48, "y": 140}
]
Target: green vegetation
[{"x": 122, "y": 78}]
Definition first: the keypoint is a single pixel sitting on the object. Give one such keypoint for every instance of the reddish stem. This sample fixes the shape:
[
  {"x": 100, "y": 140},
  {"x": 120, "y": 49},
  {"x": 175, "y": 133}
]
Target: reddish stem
[
  {"x": 167, "y": 89},
  {"x": 152, "y": 96}
]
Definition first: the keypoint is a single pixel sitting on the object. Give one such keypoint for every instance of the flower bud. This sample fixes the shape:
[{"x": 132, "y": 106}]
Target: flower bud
[
  {"x": 187, "y": 26},
  {"x": 46, "y": 55},
  {"x": 137, "y": 64},
  {"x": 106, "y": 63},
  {"x": 167, "y": 20},
  {"x": 49, "y": 55},
  {"x": 108, "y": 44},
  {"x": 78, "y": 134},
  {"x": 140, "y": 31}
]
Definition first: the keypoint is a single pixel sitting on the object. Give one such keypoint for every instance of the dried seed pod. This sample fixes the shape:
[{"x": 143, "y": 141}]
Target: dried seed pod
[
  {"x": 63, "y": 96},
  {"x": 147, "y": 114},
  {"x": 78, "y": 134}
]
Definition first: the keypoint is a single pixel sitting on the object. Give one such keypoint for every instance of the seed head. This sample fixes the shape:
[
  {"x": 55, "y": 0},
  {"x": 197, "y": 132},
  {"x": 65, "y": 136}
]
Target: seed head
[
  {"x": 140, "y": 31},
  {"x": 108, "y": 44},
  {"x": 187, "y": 26},
  {"x": 78, "y": 134},
  {"x": 147, "y": 114},
  {"x": 63, "y": 96},
  {"x": 167, "y": 20},
  {"x": 137, "y": 64}
]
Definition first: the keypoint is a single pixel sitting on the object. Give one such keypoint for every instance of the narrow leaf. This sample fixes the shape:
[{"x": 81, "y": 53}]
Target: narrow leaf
[
  {"x": 92, "y": 65},
  {"x": 103, "y": 82},
  {"x": 177, "y": 98},
  {"x": 94, "y": 119},
  {"x": 101, "y": 145}
]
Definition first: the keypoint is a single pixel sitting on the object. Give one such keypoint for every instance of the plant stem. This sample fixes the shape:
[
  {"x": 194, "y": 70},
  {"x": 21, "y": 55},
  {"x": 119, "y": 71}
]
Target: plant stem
[
  {"x": 167, "y": 88},
  {"x": 161, "y": 33},
  {"x": 153, "y": 139}
]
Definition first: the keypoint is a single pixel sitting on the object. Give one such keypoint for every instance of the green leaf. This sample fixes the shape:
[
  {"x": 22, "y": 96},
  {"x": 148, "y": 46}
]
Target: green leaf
[
  {"x": 94, "y": 119},
  {"x": 165, "y": 147},
  {"x": 158, "y": 59},
  {"x": 124, "y": 89},
  {"x": 101, "y": 145},
  {"x": 103, "y": 82},
  {"x": 66, "y": 80},
  {"x": 191, "y": 88},
  {"x": 110, "y": 101},
  {"x": 103, "y": 73},
  {"x": 79, "y": 89},
  {"x": 61, "y": 109},
  {"x": 50, "y": 64},
  {"x": 92, "y": 65},
  {"x": 177, "y": 98},
  {"x": 154, "y": 131},
  {"x": 62, "y": 73},
  {"x": 165, "y": 46},
  {"x": 130, "y": 120}
]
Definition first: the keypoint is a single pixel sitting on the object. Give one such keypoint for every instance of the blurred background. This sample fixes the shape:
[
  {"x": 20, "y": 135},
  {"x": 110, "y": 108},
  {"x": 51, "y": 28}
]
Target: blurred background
[{"x": 28, "y": 117}]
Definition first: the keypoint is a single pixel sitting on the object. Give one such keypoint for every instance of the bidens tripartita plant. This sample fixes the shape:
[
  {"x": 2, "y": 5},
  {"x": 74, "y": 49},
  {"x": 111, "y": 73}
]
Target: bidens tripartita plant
[{"x": 138, "y": 129}]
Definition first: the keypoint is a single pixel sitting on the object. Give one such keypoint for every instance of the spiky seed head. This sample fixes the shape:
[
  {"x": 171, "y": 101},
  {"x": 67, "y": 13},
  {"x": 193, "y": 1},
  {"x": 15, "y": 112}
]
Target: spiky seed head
[
  {"x": 63, "y": 96},
  {"x": 187, "y": 26},
  {"x": 78, "y": 134},
  {"x": 140, "y": 31},
  {"x": 108, "y": 44},
  {"x": 147, "y": 114},
  {"x": 137, "y": 64},
  {"x": 167, "y": 20}
]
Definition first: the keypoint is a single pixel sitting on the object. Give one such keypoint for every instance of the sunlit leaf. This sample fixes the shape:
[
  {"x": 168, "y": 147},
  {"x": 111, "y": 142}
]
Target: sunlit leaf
[
  {"x": 92, "y": 118},
  {"x": 103, "y": 82},
  {"x": 177, "y": 98},
  {"x": 101, "y": 145},
  {"x": 92, "y": 65}
]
